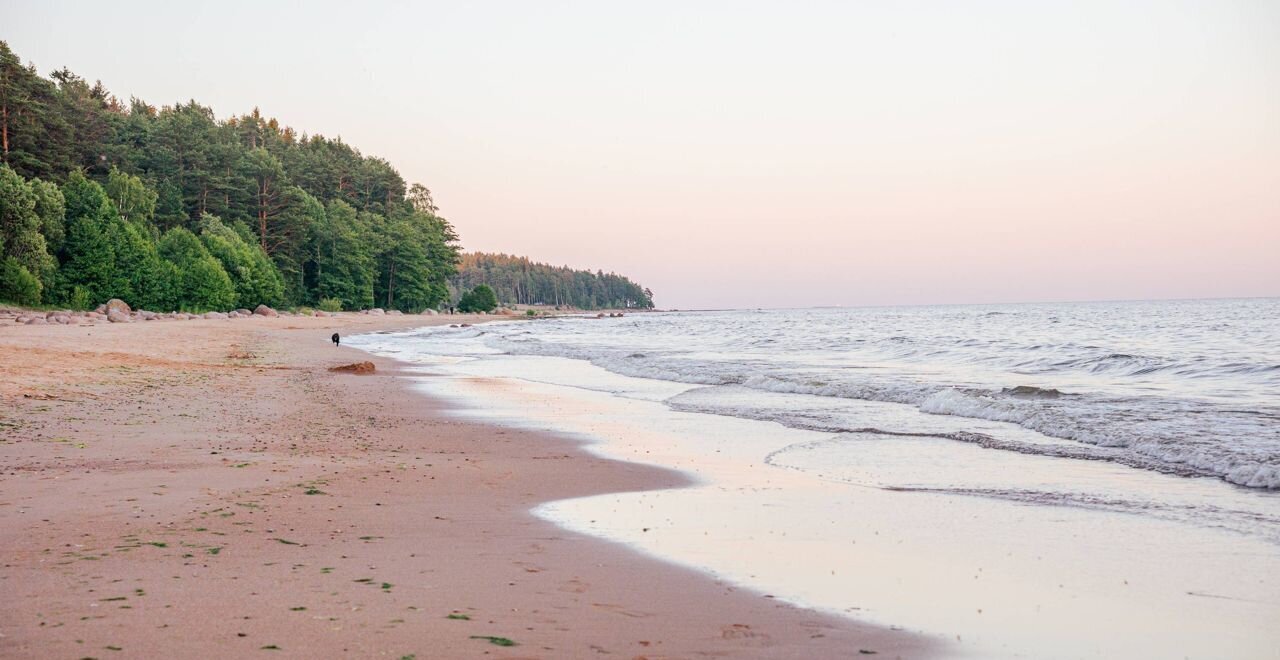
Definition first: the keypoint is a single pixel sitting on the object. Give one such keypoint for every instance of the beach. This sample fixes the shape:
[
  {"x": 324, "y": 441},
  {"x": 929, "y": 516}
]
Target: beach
[{"x": 209, "y": 488}]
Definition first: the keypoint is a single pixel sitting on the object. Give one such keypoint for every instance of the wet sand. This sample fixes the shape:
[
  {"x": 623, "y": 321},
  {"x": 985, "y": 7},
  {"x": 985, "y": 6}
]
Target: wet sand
[{"x": 209, "y": 488}]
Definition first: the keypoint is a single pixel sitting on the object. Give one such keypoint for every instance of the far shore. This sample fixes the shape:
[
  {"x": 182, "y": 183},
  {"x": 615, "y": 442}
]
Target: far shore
[{"x": 209, "y": 488}]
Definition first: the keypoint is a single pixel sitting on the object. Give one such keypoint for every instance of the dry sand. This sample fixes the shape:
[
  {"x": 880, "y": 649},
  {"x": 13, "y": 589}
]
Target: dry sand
[{"x": 209, "y": 488}]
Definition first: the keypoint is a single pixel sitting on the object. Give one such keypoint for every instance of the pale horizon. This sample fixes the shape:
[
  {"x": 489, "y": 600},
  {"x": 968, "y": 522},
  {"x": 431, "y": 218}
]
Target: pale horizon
[{"x": 749, "y": 155}]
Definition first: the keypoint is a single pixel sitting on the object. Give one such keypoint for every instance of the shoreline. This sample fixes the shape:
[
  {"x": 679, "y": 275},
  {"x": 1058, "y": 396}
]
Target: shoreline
[
  {"x": 1010, "y": 582},
  {"x": 209, "y": 487}
]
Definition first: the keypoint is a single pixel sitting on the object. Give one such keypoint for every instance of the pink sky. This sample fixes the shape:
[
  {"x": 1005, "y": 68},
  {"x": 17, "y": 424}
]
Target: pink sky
[{"x": 758, "y": 154}]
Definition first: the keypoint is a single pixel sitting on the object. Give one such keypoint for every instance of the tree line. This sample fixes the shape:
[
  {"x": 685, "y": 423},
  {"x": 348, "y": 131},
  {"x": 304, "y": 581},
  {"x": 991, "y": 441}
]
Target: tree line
[
  {"x": 521, "y": 281},
  {"x": 170, "y": 208}
]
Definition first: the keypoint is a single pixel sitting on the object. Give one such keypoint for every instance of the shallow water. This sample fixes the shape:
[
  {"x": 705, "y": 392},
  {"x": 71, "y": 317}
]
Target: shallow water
[{"x": 983, "y": 528}]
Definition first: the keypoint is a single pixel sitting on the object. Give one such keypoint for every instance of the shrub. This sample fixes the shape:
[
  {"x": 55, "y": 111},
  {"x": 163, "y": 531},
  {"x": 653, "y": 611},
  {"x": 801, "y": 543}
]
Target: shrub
[
  {"x": 480, "y": 299},
  {"x": 256, "y": 279},
  {"x": 330, "y": 304},
  {"x": 202, "y": 283},
  {"x": 530, "y": 312},
  {"x": 79, "y": 298},
  {"x": 17, "y": 284}
]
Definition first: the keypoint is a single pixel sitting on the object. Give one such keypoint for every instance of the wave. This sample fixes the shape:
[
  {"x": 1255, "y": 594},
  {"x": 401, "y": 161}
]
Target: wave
[
  {"x": 1241, "y": 518},
  {"x": 1154, "y": 434}
]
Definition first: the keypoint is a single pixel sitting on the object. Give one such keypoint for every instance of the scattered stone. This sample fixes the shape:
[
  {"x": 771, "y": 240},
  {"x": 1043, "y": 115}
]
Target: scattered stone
[
  {"x": 146, "y": 315},
  {"x": 355, "y": 368},
  {"x": 37, "y": 320},
  {"x": 215, "y": 315},
  {"x": 465, "y": 325},
  {"x": 263, "y": 310}
]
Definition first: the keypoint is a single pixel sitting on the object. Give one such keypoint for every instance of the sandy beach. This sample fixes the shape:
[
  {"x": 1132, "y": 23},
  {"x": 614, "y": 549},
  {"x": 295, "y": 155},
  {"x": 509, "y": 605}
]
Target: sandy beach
[{"x": 209, "y": 488}]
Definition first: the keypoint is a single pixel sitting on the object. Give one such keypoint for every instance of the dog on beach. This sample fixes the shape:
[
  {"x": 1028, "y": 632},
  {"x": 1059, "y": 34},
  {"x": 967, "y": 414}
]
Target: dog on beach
[{"x": 336, "y": 339}]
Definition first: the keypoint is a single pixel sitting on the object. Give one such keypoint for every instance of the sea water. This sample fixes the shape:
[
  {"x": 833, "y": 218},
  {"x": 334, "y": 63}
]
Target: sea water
[{"x": 1056, "y": 480}]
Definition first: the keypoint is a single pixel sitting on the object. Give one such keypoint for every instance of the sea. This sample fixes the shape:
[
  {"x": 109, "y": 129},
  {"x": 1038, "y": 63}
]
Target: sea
[{"x": 1093, "y": 479}]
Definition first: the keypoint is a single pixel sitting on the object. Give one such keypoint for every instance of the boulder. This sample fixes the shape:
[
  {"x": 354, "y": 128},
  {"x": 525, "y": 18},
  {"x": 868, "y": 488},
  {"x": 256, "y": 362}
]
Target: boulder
[
  {"x": 117, "y": 316},
  {"x": 214, "y": 315},
  {"x": 61, "y": 319},
  {"x": 243, "y": 312},
  {"x": 146, "y": 315},
  {"x": 263, "y": 310},
  {"x": 377, "y": 311},
  {"x": 394, "y": 312},
  {"x": 37, "y": 320},
  {"x": 116, "y": 304},
  {"x": 429, "y": 312},
  {"x": 101, "y": 309}
]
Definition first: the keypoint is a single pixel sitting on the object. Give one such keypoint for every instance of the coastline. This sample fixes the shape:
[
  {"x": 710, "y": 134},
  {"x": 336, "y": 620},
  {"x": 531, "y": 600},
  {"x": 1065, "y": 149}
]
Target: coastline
[
  {"x": 973, "y": 545},
  {"x": 208, "y": 487}
]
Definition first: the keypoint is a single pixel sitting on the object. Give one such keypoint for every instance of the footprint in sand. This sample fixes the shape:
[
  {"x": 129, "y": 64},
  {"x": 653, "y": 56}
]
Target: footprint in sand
[
  {"x": 575, "y": 586},
  {"x": 741, "y": 631},
  {"x": 618, "y": 609}
]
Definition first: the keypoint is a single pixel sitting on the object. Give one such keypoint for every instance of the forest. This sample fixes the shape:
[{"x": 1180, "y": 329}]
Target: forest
[
  {"x": 171, "y": 208},
  {"x": 521, "y": 281}
]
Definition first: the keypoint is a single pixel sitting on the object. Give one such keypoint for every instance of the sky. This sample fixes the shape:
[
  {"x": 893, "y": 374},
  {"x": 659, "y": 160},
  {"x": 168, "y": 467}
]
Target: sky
[{"x": 768, "y": 154}]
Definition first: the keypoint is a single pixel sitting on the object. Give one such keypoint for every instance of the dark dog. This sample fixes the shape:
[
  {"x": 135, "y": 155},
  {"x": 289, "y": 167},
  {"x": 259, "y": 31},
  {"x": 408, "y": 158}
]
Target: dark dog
[{"x": 336, "y": 339}]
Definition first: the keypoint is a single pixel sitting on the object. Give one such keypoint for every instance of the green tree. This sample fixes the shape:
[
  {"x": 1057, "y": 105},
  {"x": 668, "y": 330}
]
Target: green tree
[
  {"x": 134, "y": 201},
  {"x": 479, "y": 299},
  {"x": 35, "y": 137},
  {"x": 17, "y": 284},
  {"x": 343, "y": 258},
  {"x": 256, "y": 280},
  {"x": 202, "y": 282},
  {"x": 52, "y": 211},
  {"x": 305, "y": 216},
  {"x": 20, "y": 237},
  {"x": 87, "y": 257},
  {"x": 140, "y": 277}
]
